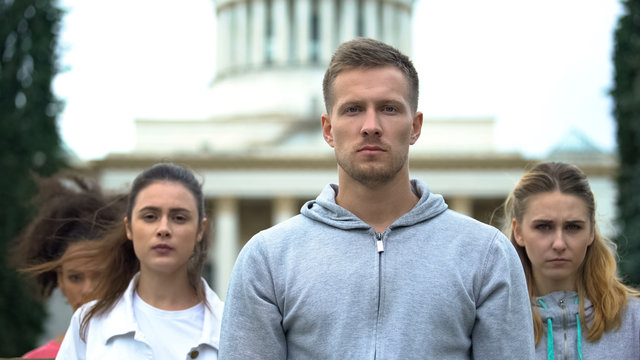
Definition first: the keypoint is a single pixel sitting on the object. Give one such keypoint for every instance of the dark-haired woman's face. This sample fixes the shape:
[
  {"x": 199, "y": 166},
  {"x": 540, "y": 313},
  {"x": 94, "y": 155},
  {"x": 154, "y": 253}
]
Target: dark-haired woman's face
[
  {"x": 164, "y": 227},
  {"x": 555, "y": 231}
]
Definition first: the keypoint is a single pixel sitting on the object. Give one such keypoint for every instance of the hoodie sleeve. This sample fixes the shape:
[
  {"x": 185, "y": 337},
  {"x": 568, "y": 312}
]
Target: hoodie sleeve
[
  {"x": 73, "y": 347},
  {"x": 252, "y": 320},
  {"x": 503, "y": 327}
]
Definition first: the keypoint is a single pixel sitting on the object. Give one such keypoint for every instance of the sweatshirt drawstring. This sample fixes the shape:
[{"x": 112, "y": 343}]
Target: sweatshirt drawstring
[
  {"x": 550, "y": 333},
  {"x": 579, "y": 333}
]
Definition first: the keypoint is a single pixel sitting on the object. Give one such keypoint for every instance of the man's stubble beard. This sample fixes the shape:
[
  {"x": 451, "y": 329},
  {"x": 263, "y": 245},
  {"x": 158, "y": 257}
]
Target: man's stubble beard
[{"x": 372, "y": 174}]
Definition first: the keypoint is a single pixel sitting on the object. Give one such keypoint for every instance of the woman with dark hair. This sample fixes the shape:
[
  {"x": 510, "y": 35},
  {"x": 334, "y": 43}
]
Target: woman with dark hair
[
  {"x": 72, "y": 214},
  {"x": 152, "y": 302},
  {"x": 580, "y": 307}
]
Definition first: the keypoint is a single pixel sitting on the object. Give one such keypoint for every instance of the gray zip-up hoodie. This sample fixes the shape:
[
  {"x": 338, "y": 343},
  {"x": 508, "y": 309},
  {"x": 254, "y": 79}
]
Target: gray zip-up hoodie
[
  {"x": 561, "y": 310},
  {"x": 324, "y": 285}
]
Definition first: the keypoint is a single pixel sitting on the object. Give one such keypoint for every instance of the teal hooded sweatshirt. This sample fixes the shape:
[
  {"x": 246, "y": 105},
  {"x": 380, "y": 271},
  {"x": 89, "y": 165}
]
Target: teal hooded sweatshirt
[{"x": 324, "y": 285}]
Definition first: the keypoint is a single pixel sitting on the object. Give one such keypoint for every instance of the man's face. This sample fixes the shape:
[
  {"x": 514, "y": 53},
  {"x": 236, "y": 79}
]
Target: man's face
[{"x": 371, "y": 124}]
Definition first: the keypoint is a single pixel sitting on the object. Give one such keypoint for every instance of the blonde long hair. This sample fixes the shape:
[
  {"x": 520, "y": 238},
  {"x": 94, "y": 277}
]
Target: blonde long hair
[{"x": 597, "y": 276}]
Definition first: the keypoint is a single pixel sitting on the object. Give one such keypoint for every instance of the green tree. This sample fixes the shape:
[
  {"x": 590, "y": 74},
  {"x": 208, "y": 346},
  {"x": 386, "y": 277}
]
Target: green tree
[
  {"x": 626, "y": 97},
  {"x": 29, "y": 144}
]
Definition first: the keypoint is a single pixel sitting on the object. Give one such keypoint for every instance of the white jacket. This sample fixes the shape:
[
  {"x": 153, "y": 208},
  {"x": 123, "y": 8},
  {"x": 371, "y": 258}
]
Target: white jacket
[{"x": 115, "y": 335}]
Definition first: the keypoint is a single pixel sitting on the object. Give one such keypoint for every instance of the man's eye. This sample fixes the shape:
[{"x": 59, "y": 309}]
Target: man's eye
[
  {"x": 351, "y": 109},
  {"x": 389, "y": 108}
]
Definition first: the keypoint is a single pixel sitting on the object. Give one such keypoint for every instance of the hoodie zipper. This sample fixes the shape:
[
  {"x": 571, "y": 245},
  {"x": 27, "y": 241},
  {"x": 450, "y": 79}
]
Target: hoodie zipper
[
  {"x": 380, "y": 248},
  {"x": 564, "y": 325}
]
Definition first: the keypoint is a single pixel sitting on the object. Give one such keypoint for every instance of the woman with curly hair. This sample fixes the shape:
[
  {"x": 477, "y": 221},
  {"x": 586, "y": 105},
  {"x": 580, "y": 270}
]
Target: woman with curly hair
[
  {"x": 580, "y": 307},
  {"x": 72, "y": 213}
]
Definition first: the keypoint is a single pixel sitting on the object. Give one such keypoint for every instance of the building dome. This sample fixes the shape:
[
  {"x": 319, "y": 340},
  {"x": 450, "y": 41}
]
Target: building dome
[
  {"x": 271, "y": 58},
  {"x": 255, "y": 35}
]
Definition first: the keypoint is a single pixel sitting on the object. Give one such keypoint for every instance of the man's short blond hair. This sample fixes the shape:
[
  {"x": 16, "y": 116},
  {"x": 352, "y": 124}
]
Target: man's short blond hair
[{"x": 365, "y": 53}]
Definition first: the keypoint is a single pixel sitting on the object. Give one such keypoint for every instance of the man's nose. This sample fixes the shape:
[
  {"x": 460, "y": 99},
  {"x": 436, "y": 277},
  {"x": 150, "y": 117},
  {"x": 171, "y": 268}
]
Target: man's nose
[{"x": 371, "y": 125}]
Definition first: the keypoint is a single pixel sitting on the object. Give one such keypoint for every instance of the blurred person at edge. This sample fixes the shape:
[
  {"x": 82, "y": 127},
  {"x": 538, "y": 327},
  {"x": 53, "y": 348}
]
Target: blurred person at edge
[
  {"x": 71, "y": 213},
  {"x": 580, "y": 307},
  {"x": 152, "y": 302},
  {"x": 377, "y": 267}
]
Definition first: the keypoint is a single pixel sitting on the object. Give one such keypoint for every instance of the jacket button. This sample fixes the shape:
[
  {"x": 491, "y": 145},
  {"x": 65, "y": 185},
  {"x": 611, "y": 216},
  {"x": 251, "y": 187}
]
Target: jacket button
[{"x": 194, "y": 354}]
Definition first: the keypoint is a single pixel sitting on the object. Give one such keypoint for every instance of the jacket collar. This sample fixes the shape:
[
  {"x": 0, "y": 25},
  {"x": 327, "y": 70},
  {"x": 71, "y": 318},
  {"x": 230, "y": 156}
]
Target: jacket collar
[
  {"x": 212, "y": 319},
  {"x": 120, "y": 321}
]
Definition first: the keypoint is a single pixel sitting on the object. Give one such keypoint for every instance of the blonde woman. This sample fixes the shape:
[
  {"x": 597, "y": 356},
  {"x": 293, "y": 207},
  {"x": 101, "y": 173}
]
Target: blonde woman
[{"x": 580, "y": 307}]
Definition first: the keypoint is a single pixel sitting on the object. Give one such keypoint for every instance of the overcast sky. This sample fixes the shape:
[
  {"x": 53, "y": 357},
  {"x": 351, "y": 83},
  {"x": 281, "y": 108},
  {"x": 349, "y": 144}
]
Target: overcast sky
[{"x": 540, "y": 68}]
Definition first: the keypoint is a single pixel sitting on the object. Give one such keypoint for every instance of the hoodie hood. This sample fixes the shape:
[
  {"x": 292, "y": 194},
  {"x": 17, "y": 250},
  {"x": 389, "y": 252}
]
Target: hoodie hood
[
  {"x": 553, "y": 308},
  {"x": 324, "y": 208}
]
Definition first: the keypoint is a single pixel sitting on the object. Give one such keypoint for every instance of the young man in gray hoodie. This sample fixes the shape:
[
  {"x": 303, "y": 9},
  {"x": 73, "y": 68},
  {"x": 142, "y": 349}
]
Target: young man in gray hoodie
[{"x": 376, "y": 267}]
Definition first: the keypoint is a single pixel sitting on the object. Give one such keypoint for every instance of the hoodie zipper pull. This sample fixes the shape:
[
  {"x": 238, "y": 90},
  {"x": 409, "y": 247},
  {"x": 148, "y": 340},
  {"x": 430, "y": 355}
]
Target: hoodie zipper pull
[{"x": 379, "y": 243}]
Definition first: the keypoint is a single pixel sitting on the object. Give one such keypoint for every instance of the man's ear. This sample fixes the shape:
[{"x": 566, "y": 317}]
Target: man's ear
[
  {"x": 416, "y": 128},
  {"x": 327, "y": 132}
]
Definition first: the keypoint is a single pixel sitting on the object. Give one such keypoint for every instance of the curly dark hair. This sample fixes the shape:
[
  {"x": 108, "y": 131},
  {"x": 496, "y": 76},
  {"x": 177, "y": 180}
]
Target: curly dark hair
[{"x": 69, "y": 209}]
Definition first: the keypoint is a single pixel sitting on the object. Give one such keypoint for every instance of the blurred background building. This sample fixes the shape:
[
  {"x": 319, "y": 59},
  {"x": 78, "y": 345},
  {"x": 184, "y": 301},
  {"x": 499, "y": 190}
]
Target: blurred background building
[{"x": 260, "y": 150}]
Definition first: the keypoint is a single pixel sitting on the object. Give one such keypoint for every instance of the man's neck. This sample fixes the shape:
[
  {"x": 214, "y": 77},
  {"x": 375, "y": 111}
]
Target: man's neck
[{"x": 380, "y": 205}]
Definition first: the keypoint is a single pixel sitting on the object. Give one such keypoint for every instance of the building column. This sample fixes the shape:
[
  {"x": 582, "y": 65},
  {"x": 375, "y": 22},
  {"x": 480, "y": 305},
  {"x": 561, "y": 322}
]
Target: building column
[
  {"x": 283, "y": 209},
  {"x": 370, "y": 18},
  {"x": 257, "y": 33},
  {"x": 461, "y": 204},
  {"x": 226, "y": 242},
  {"x": 348, "y": 20},
  {"x": 302, "y": 33},
  {"x": 327, "y": 30},
  {"x": 280, "y": 23},
  {"x": 223, "y": 43},
  {"x": 389, "y": 29},
  {"x": 240, "y": 36},
  {"x": 405, "y": 36}
]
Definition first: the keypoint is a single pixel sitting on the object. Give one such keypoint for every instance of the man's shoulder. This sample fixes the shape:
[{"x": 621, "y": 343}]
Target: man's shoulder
[
  {"x": 290, "y": 227},
  {"x": 459, "y": 221},
  {"x": 279, "y": 234}
]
